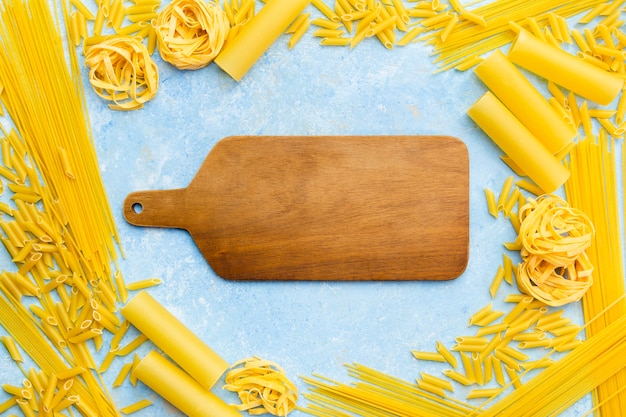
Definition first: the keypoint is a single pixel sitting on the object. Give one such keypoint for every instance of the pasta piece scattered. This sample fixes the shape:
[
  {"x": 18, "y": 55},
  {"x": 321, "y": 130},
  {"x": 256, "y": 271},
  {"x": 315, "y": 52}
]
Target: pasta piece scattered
[
  {"x": 143, "y": 284},
  {"x": 133, "y": 408},
  {"x": 491, "y": 202},
  {"x": 429, "y": 356},
  {"x": 262, "y": 386},
  {"x": 299, "y": 29}
]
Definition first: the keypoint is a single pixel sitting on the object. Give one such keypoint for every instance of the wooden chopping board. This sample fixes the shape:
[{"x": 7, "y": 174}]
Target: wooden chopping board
[{"x": 323, "y": 208}]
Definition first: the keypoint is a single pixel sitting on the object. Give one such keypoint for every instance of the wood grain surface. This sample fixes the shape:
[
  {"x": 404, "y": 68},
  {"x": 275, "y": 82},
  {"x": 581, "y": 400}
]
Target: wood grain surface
[{"x": 323, "y": 208}]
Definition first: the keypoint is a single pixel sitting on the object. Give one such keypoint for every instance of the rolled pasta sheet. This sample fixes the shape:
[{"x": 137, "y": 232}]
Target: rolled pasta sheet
[
  {"x": 191, "y": 33},
  {"x": 175, "y": 339},
  {"x": 518, "y": 142},
  {"x": 564, "y": 69},
  {"x": 240, "y": 53},
  {"x": 180, "y": 389},
  {"x": 518, "y": 94}
]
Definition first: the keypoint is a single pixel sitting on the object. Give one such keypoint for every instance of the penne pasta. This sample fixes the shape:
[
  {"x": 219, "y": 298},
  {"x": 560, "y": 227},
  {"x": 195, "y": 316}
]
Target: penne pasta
[
  {"x": 298, "y": 33},
  {"x": 9, "y": 344},
  {"x": 436, "y": 381},
  {"x": 447, "y": 355},
  {"x": 458, "y": 377},
  {"x": 143, "y": 284},
  {"x": 496, "y": 281},
  {"x": 428, "y": 356},
  {"x": 433, "y": 389},
  {"x": 122, "y": 374},
  {"x": 133, "y": 408}
]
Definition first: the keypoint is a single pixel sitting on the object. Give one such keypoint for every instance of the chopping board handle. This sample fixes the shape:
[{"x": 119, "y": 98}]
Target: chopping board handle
[{"x": 156, "y": 208}]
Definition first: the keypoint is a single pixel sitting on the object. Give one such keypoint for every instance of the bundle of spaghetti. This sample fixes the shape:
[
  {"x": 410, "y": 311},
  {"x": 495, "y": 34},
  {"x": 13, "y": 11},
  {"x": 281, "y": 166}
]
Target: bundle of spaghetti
[
  {"x": 559, "y": 386},
  {"x": 377, "y": 394},
  {"x": 467, "y": 39},
  {"x": 51, "y": 120},
  {"x": 191, "y": 33},
  {"x": 60, "y": 231},
  {"x": 592, "y": 188},
  {"x": 122, "y": 71}
]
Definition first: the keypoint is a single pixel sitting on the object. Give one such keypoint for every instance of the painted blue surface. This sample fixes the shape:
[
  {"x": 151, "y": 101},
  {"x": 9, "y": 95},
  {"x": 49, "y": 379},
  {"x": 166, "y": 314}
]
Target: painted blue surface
[{"x": 306, "y": 327}]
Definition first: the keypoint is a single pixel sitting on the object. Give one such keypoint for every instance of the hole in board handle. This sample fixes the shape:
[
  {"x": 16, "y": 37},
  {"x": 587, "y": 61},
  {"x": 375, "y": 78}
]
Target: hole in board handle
[{"x": 137, "y": 208}]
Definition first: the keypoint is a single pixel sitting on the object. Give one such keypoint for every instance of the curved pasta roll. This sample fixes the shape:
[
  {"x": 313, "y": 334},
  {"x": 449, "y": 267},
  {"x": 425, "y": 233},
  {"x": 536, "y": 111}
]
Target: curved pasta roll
[
  {"x": 190, "y": 33},
  {"x": 262, "y": 387},
  {"x": 554, "y": 236},
  {"x": 122, "y": 71}
]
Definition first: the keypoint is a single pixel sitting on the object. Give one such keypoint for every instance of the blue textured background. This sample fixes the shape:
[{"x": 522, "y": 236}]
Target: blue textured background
[{"x": 306, "y": 327}]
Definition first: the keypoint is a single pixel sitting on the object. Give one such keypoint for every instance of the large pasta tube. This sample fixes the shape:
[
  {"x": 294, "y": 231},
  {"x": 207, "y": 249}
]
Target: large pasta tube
[
  {"x": 517, "y": 93},
  {"x": 240, "y": 53},
  {"x": 564, "y": 69},
  {"x": 176, "y": 340},
  {"x": 180, "y": 389},
  {"x": 518, "y": 143}
]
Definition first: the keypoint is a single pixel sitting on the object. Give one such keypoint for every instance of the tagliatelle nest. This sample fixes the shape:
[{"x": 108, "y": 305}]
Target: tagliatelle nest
[
  {"x": 122, "y": 71},
  {"x": 191, "y": 33},
  {"x": 262, "y": 387},
  {"x": 554, "y": 236}
]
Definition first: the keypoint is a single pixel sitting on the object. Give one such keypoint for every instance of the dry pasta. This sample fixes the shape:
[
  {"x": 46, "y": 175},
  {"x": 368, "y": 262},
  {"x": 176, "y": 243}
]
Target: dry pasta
[
  {"x": 240, "y": 53},
  {"x": 59, "y": 213},
  {"x": 564, "y": 69},
  {"x": 191, "y": 33},
  {"x": 180, "y": 389},
  {"x": 135, "y": 79},
  {"x": 568, "y": 379},
  {"x": 174, "y": 338},
  {"x": 518, "y": 142},
  {"x": 525, "y": 102},
  {"x": 133, "y": 408},
  {"x": 262, "y": 387},
  {"x": 593, "y": 189},
  {"x": 554, "y": 237},
  {"x": 299, "y": 30},
  {"x": 143, "y": 284},
  {"x": 373, "y": 395}
]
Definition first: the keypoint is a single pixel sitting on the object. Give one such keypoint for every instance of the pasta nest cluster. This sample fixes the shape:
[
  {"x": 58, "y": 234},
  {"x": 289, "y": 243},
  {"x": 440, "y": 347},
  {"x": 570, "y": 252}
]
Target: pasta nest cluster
[
  {"x": 262, "y": 387},
  {"x": 122, "y": 71},
  {"x": 555, "y": 268},
  {"x": 191, "y": 33}
]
